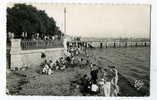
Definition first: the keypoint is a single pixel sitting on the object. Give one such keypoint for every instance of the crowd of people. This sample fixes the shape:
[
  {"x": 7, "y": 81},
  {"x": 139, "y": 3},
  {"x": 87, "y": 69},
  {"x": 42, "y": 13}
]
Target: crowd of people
[
  {"x": 75, "y": 48},
  {"x": 101, "y": 81},
  {"x": 35, "y": 36},
  {"x": 49, "y": 67}
]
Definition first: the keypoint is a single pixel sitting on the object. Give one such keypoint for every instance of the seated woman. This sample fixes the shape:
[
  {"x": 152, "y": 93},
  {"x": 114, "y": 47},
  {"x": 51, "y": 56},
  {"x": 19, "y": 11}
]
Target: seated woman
[
  {"x": 94, "y": 89},
  {"x": 68, "y": 59},
  {"x": 50, "y": 71},
  {"x": 45, "y": 69},
  {"x": 62, "y": 67},
  {"x": 56, "y": 65},
  {"x": 85, "y": 85},
  {"x": 51, "y": 64}
]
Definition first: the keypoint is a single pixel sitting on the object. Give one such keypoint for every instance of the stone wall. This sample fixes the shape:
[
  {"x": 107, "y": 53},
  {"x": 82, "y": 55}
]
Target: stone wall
[
  {"x": 20, "y": 58},
  {"x": 33, "y": 57}
]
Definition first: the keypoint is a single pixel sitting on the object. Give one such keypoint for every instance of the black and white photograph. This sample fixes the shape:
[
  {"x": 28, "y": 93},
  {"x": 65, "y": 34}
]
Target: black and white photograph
[{"x": 61, "y": 49}]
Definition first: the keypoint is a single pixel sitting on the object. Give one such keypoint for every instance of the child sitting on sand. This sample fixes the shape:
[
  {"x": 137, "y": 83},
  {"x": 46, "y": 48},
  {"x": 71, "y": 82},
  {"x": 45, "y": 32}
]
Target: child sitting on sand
[{"x": 45, "y": 69}]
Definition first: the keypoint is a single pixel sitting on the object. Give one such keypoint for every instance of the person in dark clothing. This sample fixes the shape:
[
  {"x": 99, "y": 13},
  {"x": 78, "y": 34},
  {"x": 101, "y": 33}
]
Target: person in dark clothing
[
  {"x": 85, "y": 84},
  {"x": 68, "y": 59},
  {"x": 94, "y": 76},
  {"x": 67, "y": 44},
  {"x": 81, "y": 63}
]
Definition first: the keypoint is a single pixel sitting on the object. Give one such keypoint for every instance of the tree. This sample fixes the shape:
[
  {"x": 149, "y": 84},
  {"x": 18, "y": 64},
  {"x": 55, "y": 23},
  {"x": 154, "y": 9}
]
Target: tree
[{"x": 26, "y": 18}]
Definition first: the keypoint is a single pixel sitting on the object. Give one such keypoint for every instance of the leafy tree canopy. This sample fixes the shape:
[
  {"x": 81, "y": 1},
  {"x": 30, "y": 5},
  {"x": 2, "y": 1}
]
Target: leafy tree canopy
[{"x": 26, "y": 18}]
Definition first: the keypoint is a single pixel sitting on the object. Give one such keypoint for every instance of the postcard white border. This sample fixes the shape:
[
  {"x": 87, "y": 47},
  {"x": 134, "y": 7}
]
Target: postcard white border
[{"x": 153, "y": 88}]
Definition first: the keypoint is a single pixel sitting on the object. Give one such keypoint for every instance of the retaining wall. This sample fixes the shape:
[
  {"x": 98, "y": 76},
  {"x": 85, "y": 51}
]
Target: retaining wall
[{"x": 20, "y": 58}]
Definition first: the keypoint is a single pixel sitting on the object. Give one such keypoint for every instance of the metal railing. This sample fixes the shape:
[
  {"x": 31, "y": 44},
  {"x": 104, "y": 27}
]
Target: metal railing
[{"x": 40, "y": 44}]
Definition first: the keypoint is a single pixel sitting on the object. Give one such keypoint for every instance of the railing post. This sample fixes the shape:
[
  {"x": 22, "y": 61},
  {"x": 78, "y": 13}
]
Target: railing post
[
  {"x": 126, "y": 44},
  {"x": 106, "y": 45},
  {"x": 136, "y": 44},
  {"x": 114, "y": 45},
  {"x": 101, "y": 44},
  {"x": 15, "y": 54},
  {"x": 145, "y": 44}
]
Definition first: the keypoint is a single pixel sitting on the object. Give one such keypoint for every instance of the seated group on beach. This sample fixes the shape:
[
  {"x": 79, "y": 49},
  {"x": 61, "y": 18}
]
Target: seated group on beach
[{"x": 48, "y": 67}]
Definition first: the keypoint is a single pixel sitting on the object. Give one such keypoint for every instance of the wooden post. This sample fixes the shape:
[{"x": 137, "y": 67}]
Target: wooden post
[
  {"x": 136, "y": 44},
  {"x": 145, "y": 44},
  {"x": 106, "y": 44},
  {"x": 125, "y": 44},
  {"x": 114, "y": 45},
  {"x": 101, "y": 44}
]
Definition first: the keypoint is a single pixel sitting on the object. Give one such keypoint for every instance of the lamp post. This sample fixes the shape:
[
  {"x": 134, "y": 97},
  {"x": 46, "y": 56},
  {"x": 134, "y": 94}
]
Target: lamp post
[
  {"x": 64, "y": 20},
  {"x": 65, "y": 40}
]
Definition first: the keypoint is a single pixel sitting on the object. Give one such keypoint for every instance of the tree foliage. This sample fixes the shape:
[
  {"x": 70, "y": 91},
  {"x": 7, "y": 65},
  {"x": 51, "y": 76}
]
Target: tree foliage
[{"x": 26, "y": 18}]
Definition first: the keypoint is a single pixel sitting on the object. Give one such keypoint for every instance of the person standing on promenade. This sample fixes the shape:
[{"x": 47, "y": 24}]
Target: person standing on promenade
[{"x": 114, "y": 81}]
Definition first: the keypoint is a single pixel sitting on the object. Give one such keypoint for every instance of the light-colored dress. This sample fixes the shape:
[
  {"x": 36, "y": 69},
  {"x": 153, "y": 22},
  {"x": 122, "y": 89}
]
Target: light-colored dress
[
  {"x": 114, "y": 84},
  {"x": 101, "y": 87},
  {"x": 107, "y": 89},
  {"x": 49, "y": 71}
]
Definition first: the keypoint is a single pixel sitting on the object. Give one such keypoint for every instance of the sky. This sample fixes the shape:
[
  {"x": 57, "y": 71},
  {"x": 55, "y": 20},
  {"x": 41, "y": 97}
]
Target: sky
[{"x": 100, "y": 20}]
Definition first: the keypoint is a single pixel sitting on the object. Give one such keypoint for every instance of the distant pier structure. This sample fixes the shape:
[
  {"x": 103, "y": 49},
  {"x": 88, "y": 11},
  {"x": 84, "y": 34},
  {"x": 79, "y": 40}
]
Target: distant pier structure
[
  {"x": 116, "y": 44},
  {"x": 112, "y": 44}
]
